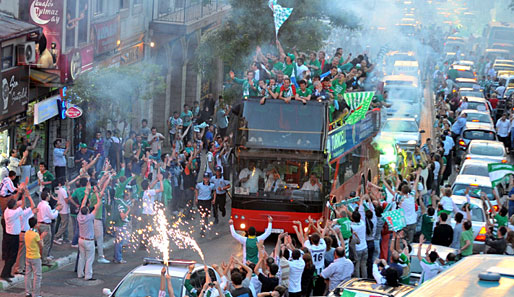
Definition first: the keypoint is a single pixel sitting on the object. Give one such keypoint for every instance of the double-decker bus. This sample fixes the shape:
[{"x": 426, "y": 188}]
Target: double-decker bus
[{"x": 281, "y": 168}]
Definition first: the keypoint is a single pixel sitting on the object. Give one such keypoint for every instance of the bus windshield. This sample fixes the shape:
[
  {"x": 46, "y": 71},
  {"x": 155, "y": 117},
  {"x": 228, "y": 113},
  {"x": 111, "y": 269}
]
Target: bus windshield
[
  {"x": 279, "y": 179},
  {"x": 280, "y": 125}
]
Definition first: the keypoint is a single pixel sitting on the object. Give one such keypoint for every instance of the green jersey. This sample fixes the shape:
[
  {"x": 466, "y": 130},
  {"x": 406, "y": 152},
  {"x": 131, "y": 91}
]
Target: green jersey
[
  {"x": 339, "y": 88},
  {"x": 166, "y": 193},
  {"x": 48, "y": 176},
  {"x": 346, "y": 229},
  {"x": 305, "y": 93},
  {"x": 427, "y": 226},
  {"x": 464, "y": 236},
  {"x": 248, "y": 89},
  {"x": 498, "y": 222},
  {"x": 314, "y": 63}
]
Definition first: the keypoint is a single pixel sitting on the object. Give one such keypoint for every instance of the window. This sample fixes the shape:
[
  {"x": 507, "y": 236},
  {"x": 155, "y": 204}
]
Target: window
[
  {"x": 77, "y": 22},
  {"x": 137, "y": 2},
  {"x": 7, "y": 57},
  {"x": 98, "y": 7},
  {"x": 124, "y": 4}
]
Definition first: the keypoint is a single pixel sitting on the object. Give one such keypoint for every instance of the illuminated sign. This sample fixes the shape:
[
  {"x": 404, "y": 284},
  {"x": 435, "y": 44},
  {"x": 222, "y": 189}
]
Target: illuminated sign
[{"x": 345, "y": 138}]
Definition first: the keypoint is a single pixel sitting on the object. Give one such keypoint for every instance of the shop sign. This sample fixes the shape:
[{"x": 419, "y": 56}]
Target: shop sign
[
  {"x": 48, "y": 14},
  {"x": 46, "y": 109},
  {"x": 132, "y": 55},
  {"x": 76, "y": 62},
  {"x": 73, "y": 112},
  {"x": 106, "y": 35},
  {"x": 345, "y": 138},
  {"x": 15, "y": 91}
]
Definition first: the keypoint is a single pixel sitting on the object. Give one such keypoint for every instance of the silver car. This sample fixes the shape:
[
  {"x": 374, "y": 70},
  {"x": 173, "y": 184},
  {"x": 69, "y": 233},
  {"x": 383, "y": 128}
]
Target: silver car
[
  {"x": 405, "y": 132},
  {"x": 145, "y": 280},
  {"x": 486, "y": 150}
]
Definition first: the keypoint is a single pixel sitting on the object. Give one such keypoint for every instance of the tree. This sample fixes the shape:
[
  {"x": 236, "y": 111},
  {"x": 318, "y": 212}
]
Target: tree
[
  {"x": 112, "y": 94},
  {"x": 250, "y": 24}
]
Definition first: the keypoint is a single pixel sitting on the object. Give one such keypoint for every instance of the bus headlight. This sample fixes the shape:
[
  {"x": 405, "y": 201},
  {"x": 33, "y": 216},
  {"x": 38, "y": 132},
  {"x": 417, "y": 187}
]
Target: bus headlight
[
  {"x": 243, "y": 226},
  {"x": 412, "y": 142}
]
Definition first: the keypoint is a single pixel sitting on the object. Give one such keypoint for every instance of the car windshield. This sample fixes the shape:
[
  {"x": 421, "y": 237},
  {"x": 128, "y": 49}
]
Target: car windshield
[
  {"x": 401, "y": 126},
  {"x": 477, "y": 214},
  {"x": 279, "y": 179},
  {"x": 406, "y": 94},
  {"x": 465, "y": 74},
  {"x": 483, "y": 149},
  {"x": 474, "y": 169},
  {"x": 142, "y": 285},
  {"x": 481, "y": 106},
  {"x": 478, "y": 134},
  {"x": 474, "y": 191},
  {"x": 479, "y": 117},
  {"x": 471, "y": 94},
  {"x": 466, "y": 84}
]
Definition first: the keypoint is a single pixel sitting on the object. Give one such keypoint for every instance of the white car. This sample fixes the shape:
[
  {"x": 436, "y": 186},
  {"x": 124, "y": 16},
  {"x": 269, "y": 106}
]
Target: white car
[
  {"x": 415, "y": 267},
  {"x": 480, "y": 117},
  {"x": 479, "y": 168},
  {"x": 145, "y": 280},
  {"x": 405, "y": 132},
  {"x": 486, "y": 150},
  {"x": 478, "y": 218}
]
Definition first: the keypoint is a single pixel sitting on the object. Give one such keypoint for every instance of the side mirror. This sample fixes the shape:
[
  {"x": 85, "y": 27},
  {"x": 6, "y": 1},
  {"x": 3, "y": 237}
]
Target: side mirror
[
  {"x": 106, "y": 292},
  {"x": 421, "y": 131}
]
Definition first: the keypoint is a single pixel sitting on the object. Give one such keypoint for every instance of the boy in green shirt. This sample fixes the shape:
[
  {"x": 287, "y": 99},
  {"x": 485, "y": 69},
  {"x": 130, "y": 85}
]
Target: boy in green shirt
[
  {"x": 45, "y": 177},
  {"x": 303, "y": 94},
  {"x": 167, "y": 192},
  {"x": 313, "y": 64},
  {"x": 466, "y": 239}
]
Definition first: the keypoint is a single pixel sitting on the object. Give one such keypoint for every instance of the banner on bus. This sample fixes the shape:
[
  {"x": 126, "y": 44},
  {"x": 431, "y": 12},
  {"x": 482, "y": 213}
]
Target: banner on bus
[{"x": 345, "y": 138}]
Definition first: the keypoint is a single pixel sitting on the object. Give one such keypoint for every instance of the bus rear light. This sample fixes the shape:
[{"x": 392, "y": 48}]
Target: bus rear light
[{"x": 481, "y": 235}]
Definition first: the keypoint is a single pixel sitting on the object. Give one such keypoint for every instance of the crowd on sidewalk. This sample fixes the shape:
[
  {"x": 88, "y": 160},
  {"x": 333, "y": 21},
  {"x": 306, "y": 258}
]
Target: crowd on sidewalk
[{"x": 115, "y": 183}]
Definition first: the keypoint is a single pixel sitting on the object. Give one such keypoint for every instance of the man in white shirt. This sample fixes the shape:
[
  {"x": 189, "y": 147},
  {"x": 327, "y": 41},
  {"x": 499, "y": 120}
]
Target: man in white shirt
[
  {"x": 155, "y": 141},
  {"x": 64, "y": 215},
  {"x": 12, "y": 218},
  {"x": 45, "y": 215},
  {"x": 503, "y": 129},
  {"x": 249, "y": 177},
  {"x": 312, "y": 184},
  {"x": 7, "y": 187},
  {"x": 339, "y": 270},
  {"x": 28, "y": 213},
  {"x": 296, "y": 266},
  {"x": 429, "y": 265},
  {"x": 149, "y": 200},
  {"x": 446, "y": 200},
  {"x": 359, "y": 227}
]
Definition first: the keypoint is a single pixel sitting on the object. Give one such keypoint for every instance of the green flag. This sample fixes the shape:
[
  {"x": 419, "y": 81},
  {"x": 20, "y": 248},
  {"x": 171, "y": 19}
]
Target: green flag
[
  {"x": 499, "y": 172},
  {"x": 359, "y": 104},
  {"x": 395, "y": 219}
]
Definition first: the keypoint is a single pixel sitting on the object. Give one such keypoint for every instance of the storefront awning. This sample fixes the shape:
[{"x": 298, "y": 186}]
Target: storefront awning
[
  {"x": 45, "y": 78},
  {"x": 12, "y": 28}
]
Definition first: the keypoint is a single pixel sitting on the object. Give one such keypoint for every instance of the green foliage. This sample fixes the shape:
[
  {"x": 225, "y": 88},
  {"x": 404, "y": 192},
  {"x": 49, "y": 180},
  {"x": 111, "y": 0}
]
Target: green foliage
[
  {"x": 250, "y": 24},
  {"x": 112, "y": 94}
]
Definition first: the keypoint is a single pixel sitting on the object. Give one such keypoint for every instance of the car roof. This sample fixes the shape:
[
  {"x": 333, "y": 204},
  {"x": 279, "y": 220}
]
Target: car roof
[
  {"x": 459, "y": 200},
  {"x": 473, "y": 179},
  {"x": 406, "y": 63},
  {"x": 486, "y": 142},
  {"x": 476, "y": 99},
  {"x": 400, "y": 77},
  {"x": 468, "y": 111},
  {"x": 479, "y": 126},
  {"x": 465, "y": 80},
  {"x": 174, "y": 270},
  {"x": 462, "y": 278},
  {"x": 474, "y": 162},
  {"x": 369, "y": 286}
]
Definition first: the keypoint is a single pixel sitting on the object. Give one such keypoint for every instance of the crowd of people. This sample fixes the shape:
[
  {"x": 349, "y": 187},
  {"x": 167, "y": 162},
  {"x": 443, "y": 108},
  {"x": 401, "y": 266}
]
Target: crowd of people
[{"x": 113, "y": 189}]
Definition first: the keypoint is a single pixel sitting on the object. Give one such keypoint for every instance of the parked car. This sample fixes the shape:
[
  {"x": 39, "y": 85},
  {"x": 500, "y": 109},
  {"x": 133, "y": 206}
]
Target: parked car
[
  {"x": 471, "y": 132},
  {"x": 478, "y": 217},
  {"x": 145, "y": 279},
  {"x": 415, "y": 267},
  {"x": 486, "y": 150}
]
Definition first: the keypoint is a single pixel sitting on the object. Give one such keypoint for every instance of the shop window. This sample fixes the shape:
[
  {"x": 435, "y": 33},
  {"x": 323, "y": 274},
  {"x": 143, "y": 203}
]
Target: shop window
[
  {"x": 7, "y": 57},
  {"x": 4, "y": 143},
  {"x": 98, "y": 7}
]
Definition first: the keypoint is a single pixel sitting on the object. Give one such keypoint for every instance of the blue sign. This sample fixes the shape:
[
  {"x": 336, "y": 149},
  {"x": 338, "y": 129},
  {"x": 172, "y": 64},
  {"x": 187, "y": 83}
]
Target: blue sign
[
  {"x": 345, "y": 138},
  {"x": 45, "y": 110}
]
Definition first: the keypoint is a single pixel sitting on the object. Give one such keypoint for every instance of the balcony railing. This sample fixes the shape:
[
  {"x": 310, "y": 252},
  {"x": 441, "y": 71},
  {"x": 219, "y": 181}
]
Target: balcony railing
[{"x": 187, "y": 11}]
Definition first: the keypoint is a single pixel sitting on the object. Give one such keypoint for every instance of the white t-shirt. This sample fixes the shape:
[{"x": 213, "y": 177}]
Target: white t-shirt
[
  {"x": 447, "y": 203},
  {"x": 317, "y": 253},
  {"x": 61, "y": 196},
  {"x": 503, "y": 127},
  {"x": 430, "y": 270},
  {"x": 295, "y": 275},
  {"x": 148, "y": 202},
  {"x": 210, "y": 158},
  {"x": 360, "y": 229},
  {"x": 409, "y": 207},
  {"x": 12, "y": 219},
  {"x": 253, "y": 178}
]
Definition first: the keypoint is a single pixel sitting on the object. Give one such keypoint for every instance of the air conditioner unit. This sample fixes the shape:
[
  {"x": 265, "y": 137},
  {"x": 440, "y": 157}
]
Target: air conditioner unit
[{"x": 26, "y": 53}]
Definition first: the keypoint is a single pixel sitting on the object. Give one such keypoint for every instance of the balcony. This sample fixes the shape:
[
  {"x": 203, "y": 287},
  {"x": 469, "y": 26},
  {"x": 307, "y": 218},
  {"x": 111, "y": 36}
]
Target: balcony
[{"x": 185, "y": 16}]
